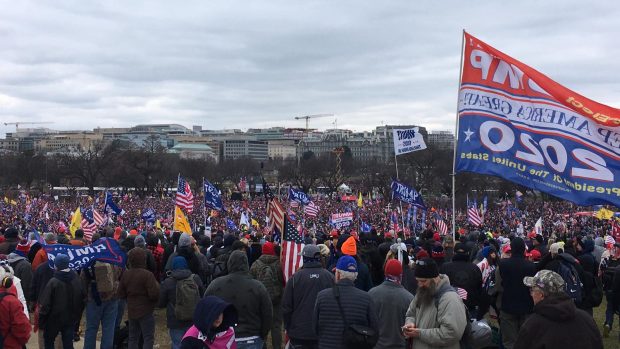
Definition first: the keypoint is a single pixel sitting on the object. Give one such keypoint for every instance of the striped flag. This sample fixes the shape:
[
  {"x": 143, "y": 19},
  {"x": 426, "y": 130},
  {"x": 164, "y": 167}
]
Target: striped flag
[
  {"x": 292, "y": 244},
  {"x": 99, "y": 219},
  {"x": 311, "y": 210},
  {"x": 441, "y": 225},
  {"x": 275, "y": 214},
  {"x": 609, "y": 240},
  {"x": 473, "y": 216},
  {"x": 461, "y": 292},
  {"x": 184, "y": 198},
  {"x": 294, "y": 204},
  {"x": 88, "y": 224}
]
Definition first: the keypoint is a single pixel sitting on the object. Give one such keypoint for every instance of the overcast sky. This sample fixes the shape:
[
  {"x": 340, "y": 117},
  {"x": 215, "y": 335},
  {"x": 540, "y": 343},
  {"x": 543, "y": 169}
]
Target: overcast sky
[{"x": 240, "y": 64}]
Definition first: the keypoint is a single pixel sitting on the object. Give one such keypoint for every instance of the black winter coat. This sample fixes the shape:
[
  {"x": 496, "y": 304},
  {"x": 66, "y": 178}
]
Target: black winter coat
[
  {"x": 299, "y": 298},
  {"x": 516, "y": 298},
  {"x": 557, "y": 323},
  {"x": 327, "y": 322},
  {"x": 61, "y": 302},
  {"x": 464, "y": 274}
]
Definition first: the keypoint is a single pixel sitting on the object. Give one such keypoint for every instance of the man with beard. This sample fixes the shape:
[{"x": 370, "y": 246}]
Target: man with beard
[{"x": 436, "y": 316}]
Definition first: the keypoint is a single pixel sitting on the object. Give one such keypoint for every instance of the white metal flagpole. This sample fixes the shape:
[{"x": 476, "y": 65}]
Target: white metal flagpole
[{"x": 456, "y": 137}]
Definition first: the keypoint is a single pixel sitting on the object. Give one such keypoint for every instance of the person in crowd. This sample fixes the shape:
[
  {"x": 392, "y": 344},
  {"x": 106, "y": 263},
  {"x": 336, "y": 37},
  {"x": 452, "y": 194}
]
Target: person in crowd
[
  {"x": 356, "y": 305},
  {"x": 11, "y": 239},
  {"x": 213, "y": 325},
  {"x": 436, "y": 316},
  {"x": 268, "y": 271},
  {"x": 22, "y": 270},
  {"x": 251, "y": 299},
  {"x": 514, "y": 297},
  {"x": 152, "y": 244},
  {"x": 168, "y": 299},
  {"x": 300, "y": 296},
  {"x": 555, "y": 322},
  {"x": 139, "y": 287},
  {"x": 101, "y": 282},
  {"x": 61, "y": 302},
  {"x": 78, "y": 239},
  {"x": 140, "y": 242},
  {"x": 487, "y": 267},
  {"x": 348, "y": 247},
  {"x": 41, "y": 256},
  {"x": 392, "y": 301},
  {"x": 14, "y": 324},
  {"x": 464, "y": 274}
]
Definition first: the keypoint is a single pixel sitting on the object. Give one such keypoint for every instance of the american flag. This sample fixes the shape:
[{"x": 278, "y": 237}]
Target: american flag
[
  {"x": 441, "y": 225},
  {"x": 609, "y": 240},
  {"x": 184, "y": 198},
  {"x": 311, "y": 210},
  {"x": 473, "y": 216},
  {"x": 461, "y": 292},
  {"x": 275, "y": 213},
  {"x": 615, "y": 229},
  {"x": 88, "y": 224},
  {"x": 292, "y": 244},
  {"x": 99, "y": 219},
  {"x": 242, "y": 184},
  {"x": 294, "y": 204}
]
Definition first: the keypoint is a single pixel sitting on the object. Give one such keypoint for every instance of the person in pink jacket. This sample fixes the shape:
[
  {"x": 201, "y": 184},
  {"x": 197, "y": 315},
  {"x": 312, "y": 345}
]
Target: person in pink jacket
[{"x": 214, "y": 325}]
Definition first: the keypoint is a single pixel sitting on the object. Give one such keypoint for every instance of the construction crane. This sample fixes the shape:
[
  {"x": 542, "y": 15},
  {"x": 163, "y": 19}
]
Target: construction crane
[
  {"x": 23, "y": 123},
  {"x": 307, "y": 117}
]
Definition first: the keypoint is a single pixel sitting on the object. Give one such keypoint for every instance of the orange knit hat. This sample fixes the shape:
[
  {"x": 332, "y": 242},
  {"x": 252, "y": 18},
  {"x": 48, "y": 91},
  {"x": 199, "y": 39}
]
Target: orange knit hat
[{"x": 349, "y": 247}]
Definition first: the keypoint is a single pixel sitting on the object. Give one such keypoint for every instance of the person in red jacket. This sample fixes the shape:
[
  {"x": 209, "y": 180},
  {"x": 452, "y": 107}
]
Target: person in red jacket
[{"x": 14, "y": 325}]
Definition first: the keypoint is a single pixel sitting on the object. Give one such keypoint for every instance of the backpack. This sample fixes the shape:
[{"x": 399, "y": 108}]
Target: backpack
[
  {"x": 107, "y": 284},
  {"x": 595, "y": 294},
  {"x": 574, "y": 286},
  {"x": 477, "y": 334},
  {"x": 267, "y": 275},
  {"x": 220, "y": 267},
  {"x": 187, "y": 298}
]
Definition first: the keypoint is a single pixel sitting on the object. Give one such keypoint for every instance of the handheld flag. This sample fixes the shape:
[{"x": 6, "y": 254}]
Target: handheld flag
[
  {"x": 604, "y": 213},
  {"x": 184, "y": 197},
  {"x": 213, "y": 199},
  {"x": 148, "y": 215},
  {"x": 231, "y": 225},
  {"x": 406, "y": 194},
  {"x": 407, "y": 140},
  {"x": 299, "y": 196},
  {"x": 518, "y": 124},
  {"x": 366, "y": 228},
  {"x": 110, "y": 207},
  {"x": 180, "y": 221},
  {"x": 360, "y": 201},
  {"x": 76, "y": 221}
]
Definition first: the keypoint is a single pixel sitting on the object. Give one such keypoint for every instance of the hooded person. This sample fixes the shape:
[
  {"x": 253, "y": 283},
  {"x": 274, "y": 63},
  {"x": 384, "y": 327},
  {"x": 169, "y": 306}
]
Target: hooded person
[
  {"x": 168, "y": 299},
  {"x": 213, "y": 325},
  {"x": 464, "y": 274},
  {"x": 186, "y": 248},
  {"x": 14, "y": 324},
  {"x": 240, "y": 289},
  {"x": 268, "y": 270},
  {"x": 139, "y": 287},
  {"x": 349, "y": 248},
  {"x": 61, "y": 304},
  {"x": 23, "y": 270},
  {"x": 11, "y": 240}
]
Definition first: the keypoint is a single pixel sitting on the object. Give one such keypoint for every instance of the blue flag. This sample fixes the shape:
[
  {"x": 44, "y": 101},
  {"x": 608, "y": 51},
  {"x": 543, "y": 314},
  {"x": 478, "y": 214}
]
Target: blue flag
[
  {"x": 110, "y": 206},
  {"x": 366, "y": 228},
  {"x": 231, "y": 225},
  {"x": 37, "y": 237},
  {"x": 213, "y": 198},
  {"x": 148, "y": 215},
  {"x": 87, "y": 214},
  {"x": 298, "y": 195},
  {"x": 406, "y": 194},
  {"x": 80, "y": 257}
]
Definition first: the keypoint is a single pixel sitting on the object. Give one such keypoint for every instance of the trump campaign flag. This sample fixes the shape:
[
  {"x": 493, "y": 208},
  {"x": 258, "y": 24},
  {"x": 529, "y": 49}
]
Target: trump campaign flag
[
  {"x": 518, "y": 124},
  {"x": 213, "y": 199},
  {"x": 407, "y": 140},
  {"x": 111, "y": 207},
  {"x": 299, "y": 196},
  {"x": 406, "y": 194}
]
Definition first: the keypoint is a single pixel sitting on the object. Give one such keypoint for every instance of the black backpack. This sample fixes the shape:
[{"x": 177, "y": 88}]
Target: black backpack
[
  {"x": 574, "y": 285},
  {"x": 220, "y": 267}
]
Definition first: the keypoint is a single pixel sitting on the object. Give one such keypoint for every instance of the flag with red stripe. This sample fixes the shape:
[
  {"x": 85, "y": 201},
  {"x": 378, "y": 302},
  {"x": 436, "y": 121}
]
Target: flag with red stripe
[
  {"x": 98, "y": 218},
  {"x": 275, "y": 214},
  {"x": 184, "y": 197},
  {"x": 311, "y": 210},
  {"x": 292, "y": 244}
]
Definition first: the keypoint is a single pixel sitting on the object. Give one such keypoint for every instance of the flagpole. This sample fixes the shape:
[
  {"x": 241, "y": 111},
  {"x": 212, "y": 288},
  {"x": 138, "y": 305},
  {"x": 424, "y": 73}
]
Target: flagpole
[
  {"x": 456, "y": 137},
  {"x": 400, "y": 203}
]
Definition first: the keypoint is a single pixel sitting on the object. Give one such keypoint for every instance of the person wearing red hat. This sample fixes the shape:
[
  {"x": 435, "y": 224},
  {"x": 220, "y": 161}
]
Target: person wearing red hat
[
  {"x": 268, "y": 270},
  {"x": 392, "y": 301}
]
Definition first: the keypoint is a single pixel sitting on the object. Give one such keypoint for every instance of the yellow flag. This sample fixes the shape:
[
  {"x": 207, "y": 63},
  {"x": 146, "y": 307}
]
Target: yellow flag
[
  {"x": 158, "y": 224},
  {"x": 180, "y": 221},
  {"x": 604, "y": 213},
  {"x": 76, "y": 221},
  {"x": 255, "y": 223},
  {"x": 6, "y": 200},
  {"x": 360, "y": 201},
  {"x": 139, "y": 211},
  {"x": 13, "y": 202}
]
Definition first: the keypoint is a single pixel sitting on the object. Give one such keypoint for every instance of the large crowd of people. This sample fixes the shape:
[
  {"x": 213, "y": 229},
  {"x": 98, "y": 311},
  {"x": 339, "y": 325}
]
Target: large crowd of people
[{"x": 399, "y": 284}]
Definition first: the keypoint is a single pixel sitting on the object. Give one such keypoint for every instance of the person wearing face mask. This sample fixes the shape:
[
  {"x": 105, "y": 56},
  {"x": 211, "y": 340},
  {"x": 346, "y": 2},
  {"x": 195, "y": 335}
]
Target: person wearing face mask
[{"x": 213, "y": 325}]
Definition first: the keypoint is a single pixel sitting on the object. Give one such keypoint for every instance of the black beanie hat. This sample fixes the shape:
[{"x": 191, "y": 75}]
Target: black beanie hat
[{"x": 426, "y": 268}]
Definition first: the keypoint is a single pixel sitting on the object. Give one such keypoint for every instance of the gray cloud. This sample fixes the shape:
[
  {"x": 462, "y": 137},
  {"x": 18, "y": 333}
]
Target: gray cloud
[{"x": 244, "y": 64}]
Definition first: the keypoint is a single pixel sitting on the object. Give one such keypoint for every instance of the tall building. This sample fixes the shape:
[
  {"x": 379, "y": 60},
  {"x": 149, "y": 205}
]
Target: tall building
[
  {"x": 244, "y": 146},
  {"x": 282, "y": 148},
  {"x": 441, "y": 139}
]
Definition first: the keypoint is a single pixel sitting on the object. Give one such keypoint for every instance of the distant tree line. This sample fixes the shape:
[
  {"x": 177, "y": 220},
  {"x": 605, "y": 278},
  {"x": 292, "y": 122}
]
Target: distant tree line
[{"x": 150, "y": 169}]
